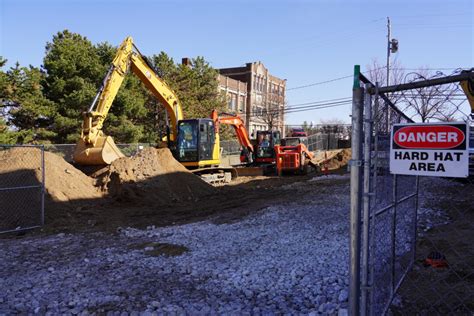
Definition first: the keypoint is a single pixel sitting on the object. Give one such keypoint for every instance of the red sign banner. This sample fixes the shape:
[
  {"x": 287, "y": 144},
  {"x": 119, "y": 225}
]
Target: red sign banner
[{"x": 429, "y": 137}]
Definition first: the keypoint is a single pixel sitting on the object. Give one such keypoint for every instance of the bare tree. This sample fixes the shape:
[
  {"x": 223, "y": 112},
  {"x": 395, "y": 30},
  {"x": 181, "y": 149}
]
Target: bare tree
[
  {"x": 272, "y": 110},
  {"x": 429, "y": 103},
  {"x": 424, "y": 104},
  {"x": 335, "y": 126},
  {"x": 377, "y": 73}
]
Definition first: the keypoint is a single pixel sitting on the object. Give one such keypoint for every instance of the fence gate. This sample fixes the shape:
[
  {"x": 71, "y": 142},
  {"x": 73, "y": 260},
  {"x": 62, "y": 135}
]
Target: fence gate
[
  {"x": 21, "y": 187},
  {"x": 388, "y": 243}
]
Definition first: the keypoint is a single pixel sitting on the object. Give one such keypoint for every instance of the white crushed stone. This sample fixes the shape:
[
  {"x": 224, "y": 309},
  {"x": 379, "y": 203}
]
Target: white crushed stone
[
  {"x": 286, "y": 259},
  {"x": 329, "y": 177}
]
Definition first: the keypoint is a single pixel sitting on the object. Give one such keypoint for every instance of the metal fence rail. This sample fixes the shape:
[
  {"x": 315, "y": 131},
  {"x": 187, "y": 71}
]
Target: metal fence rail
[{"x": 22, "y": 187}]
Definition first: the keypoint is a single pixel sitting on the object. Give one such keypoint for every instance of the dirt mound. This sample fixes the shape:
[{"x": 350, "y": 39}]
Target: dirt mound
[
  {"x": 336, "y": 159},
  {"x": 21, "y": 166},
  {"x": 153, "y": 177}
]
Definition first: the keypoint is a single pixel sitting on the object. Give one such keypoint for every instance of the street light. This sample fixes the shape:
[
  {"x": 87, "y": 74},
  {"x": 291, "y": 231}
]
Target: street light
[{"x": 394, "y": 46}]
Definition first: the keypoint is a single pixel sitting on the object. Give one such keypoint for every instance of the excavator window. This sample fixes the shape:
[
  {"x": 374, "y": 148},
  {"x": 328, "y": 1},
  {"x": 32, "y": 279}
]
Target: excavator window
[
  {"x": 265, "y": 143},
  {"x": 187, "y": 141},
  {"x": 206, "y": 140}
]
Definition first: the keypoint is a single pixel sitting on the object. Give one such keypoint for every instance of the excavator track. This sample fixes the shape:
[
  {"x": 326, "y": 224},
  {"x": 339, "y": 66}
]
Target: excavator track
[{"x": 216, "y": 175}]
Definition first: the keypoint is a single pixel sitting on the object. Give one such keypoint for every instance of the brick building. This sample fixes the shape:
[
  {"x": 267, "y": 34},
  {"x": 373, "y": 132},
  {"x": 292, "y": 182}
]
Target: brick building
[
  {"x": 264, "y": 106},
  {"x": 236, "y": 92}
]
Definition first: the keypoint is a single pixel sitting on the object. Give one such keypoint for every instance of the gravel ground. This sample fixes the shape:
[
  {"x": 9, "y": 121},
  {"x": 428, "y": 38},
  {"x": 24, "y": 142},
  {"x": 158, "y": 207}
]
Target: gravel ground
[{"x": 288, "y": 259}]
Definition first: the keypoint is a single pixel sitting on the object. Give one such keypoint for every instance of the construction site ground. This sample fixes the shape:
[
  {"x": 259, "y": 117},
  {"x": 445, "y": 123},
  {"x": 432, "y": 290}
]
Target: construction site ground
[
  {"x": 167, "y": 242},
  {"x": 150, "y": 188},
  {"x": 260, "y": 245},
  {"x": 242, "y": 197}
]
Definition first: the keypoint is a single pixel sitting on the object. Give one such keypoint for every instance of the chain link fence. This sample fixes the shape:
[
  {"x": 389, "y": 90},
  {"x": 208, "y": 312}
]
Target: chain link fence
[
  {"x": 327, "y": 141},
  {"x": 397, "y": 233},
  {"x": 230, "y": 147},
  {"x": 67, "y": 150},
  {"x": 22, "y": 189}
]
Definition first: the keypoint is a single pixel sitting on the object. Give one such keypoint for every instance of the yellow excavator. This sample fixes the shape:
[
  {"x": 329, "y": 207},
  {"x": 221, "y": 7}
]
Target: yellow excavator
[
  {"x": 194, "y": 142},
  {"x": 94, "y": 147}
]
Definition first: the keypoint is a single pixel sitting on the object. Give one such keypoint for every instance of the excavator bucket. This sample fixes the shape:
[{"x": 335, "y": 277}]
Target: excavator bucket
[{"x": 103, "y": 153}]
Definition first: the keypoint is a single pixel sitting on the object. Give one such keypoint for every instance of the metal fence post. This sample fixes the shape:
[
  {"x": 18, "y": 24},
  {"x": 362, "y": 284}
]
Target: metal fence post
[
  {"x": 415, "y": 221},
  {"x": 356, "y": 190},
  {"x": 376, "y": 128},
  {"x": 394, "y": 235},
  {"x": 366, "y": 198},
  {"x": 43, "y": 187}
]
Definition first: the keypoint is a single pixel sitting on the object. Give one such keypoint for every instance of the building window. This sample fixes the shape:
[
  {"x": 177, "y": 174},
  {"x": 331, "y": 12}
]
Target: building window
[{"x": 233, "y": 102}]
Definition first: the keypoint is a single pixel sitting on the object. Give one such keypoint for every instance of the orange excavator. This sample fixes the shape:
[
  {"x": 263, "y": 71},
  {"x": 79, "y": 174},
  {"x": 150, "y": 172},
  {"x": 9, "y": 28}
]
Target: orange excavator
[{"x": 242, "y": 136}]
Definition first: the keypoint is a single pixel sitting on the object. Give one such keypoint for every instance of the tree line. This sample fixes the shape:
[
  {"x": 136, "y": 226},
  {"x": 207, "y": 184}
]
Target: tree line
[{"x": 45, "y": 104}]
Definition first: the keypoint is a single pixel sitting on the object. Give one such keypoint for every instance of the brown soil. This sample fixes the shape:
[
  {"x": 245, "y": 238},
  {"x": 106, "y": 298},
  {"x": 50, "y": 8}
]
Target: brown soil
[
  {"x": 157, "y": 249},
  {"x": 229, "y": 203},
  {"x": 336, "y": 159},
  {"x": 22, "y": 166},
  {"x": 151, "y": 188},
  {"x": 153, "y": 177}
]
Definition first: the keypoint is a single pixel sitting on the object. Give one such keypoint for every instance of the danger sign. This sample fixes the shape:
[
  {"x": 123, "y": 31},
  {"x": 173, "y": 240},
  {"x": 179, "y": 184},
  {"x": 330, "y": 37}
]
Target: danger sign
[{"x": 430, "y": 149}]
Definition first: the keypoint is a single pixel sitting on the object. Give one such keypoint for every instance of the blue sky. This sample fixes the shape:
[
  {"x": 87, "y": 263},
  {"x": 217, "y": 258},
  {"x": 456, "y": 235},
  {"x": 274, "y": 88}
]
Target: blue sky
[{"x": 301, "y": 41}]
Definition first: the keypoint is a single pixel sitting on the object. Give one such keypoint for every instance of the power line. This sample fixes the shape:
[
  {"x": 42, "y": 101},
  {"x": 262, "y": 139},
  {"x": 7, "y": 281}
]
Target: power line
[
  {"x": 369, "y": 70},
  {"x": 320, "y": 101},
  {"x": 318, "y": 108},
  {"x": 317, "y": 104},
  {"x": 432, "y": 15},
  {"x": 319, "y": 83},
  {"x": 313, "y": 105},
  {"x": 331, "y": 80},
  {"x": 262, "y": 113}
]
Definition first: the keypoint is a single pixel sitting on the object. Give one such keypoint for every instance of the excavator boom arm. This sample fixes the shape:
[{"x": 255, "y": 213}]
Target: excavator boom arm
[
  {"x": 160, "y": 90},
  {"x": 94, "y": 148},
  {"x": 239, "y": 128}
]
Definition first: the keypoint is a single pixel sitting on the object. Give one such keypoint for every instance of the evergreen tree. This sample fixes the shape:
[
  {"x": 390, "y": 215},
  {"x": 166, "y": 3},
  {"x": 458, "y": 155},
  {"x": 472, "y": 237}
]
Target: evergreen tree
[
  {"x": 24, "y": 105},
  {"x": 46, "y": 105},
  {"x": 75, "y": 71},
  {"x": 73, "y": 74},
  {"x": 197, "y": 88}
]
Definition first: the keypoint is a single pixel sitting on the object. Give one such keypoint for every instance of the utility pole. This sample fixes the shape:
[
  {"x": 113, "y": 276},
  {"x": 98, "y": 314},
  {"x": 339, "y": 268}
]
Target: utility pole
[
  {"x": 388, "y": 51},
  {"x": 392, "y": 47}
]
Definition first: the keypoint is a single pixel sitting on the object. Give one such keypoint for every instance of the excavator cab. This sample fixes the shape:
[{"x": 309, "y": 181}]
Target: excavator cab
[
  {"x": 197, "y": 143},
  {"x": 265, "y": 149}
]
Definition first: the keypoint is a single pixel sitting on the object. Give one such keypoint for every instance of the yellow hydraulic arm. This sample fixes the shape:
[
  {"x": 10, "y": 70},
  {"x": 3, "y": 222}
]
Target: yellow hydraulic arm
[
  {"x": 94, "y": 147},
  {"x": 468, "y": 88}
]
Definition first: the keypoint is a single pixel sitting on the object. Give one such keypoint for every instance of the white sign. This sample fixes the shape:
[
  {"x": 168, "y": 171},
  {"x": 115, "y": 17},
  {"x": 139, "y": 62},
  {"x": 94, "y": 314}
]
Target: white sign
[{"x": 430, "y": 149}]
